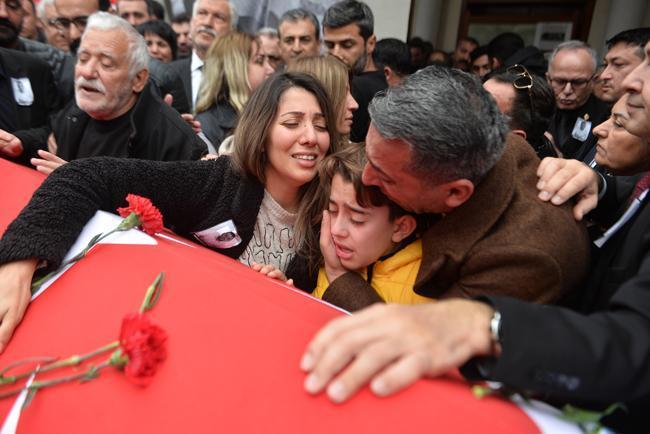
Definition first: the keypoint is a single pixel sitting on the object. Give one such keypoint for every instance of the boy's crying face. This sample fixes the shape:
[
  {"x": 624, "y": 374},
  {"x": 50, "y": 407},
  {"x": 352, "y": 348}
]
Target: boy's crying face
[{"x": 361, "y": 235}]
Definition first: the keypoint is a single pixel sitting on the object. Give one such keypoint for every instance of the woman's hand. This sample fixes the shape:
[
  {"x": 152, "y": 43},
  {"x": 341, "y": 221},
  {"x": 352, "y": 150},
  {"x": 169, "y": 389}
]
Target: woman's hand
[
  {"x": 272, "y": 272},
  {"x": 47, "y": 163},
  {"x": 333, "y": 266},
  {"x": 15, "y": 292}
]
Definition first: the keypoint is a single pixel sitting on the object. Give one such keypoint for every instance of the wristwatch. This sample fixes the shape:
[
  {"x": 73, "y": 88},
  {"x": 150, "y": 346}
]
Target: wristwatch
[{"x": 495, "y": 328}]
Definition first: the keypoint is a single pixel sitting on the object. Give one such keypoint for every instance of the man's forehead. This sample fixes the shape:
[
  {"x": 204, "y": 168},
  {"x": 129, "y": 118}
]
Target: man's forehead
[
  {"x": 349, "y": 31},
  {"x": 72, "y": 8},
  {"x": 297, "y": 27}
]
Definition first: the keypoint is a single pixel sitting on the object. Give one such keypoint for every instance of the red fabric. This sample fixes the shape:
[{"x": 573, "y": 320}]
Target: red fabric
[{"x": 235, "y": 341}]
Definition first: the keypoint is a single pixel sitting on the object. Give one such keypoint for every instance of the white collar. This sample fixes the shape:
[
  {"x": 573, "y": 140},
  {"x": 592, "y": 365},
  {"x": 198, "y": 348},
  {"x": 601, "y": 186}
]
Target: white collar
[{"x": 196, "y": 62}]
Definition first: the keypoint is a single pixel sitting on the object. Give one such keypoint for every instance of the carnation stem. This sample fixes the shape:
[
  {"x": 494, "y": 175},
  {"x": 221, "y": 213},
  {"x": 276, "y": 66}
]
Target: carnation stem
[
  {"x": 153, "y": 293},
  {"x": 128, "y": 223},
  {"x": 70, "y": 361},
  {"x": 91, "y": 373}
]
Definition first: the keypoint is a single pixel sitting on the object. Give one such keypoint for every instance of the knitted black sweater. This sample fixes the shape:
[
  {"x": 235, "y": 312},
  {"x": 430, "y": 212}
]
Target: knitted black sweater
[{"x": 191, "y": 195}]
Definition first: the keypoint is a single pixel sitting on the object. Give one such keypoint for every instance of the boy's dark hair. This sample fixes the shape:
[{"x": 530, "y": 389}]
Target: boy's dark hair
[
  {"x": 349, "y": 162},
  {"x": 348, "y": 12},
  {"x": 393, "y": 53},
  {"x": 638, "y": 37}
]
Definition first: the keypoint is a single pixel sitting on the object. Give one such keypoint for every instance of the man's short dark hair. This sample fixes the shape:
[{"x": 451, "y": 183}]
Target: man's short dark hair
[
  {"x": 180, "y": 18},
  {"x": 393, "y": 53},
  {"x": 468, "y": 39},
  {"x": 478, "y": 52},
  {"x": 157, "y": 10},
  {"x": 505, "y": 45},
  {"x": 300, "y": 14},
  {"x": 351, "y": 12},
  {"x": 532, "y": 112},
  {"x": 637, "y": 37}
]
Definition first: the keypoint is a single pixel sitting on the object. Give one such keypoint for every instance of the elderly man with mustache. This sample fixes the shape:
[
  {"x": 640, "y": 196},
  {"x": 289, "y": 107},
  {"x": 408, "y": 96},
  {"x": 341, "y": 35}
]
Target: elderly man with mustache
[
  {"x": 210, "y": 19},
  {"x": 115, "y": 111}
]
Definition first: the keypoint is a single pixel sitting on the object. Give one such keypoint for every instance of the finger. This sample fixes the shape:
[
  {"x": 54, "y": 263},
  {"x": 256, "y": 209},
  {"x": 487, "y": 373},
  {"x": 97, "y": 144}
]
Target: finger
[
  {"x": 51, "y": 157},
  {"x": 169, "y": 99},
  {"x": 255, "y": 266},
  {"x": 345, "y": 341},
  {"x": 548, "y": 167},
  {"x": 584, "y": 205},
  {"x": 11, "y": 319},
  {"x": 400, "y": 374},
  {"x": 289, "y": 282},
  {"x": 333, "y": 329},
  {"x": 371, "y": 360},
  {"x": 576, "y": 184},
  {"x": 276, "y": 274}
]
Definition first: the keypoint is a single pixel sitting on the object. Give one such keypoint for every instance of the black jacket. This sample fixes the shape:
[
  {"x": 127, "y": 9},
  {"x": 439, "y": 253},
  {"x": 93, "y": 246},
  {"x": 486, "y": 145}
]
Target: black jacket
[
  {"x": 598, "y": 353},
  {"x": 562, "y": 125},
  {"x": 158, "y": 132},
  {"x": 218, "y": 122},
  {"x": 32, "y": 122}
]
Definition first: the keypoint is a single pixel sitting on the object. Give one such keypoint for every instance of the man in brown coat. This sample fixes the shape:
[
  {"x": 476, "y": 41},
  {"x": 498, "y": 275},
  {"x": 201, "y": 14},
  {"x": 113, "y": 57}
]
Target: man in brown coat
[{"x": 437, "y": 144}]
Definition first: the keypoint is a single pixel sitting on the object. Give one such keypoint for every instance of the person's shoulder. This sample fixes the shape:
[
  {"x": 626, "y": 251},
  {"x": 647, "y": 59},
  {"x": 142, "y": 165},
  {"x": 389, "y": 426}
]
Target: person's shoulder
[{"x": 180, "y": 64}]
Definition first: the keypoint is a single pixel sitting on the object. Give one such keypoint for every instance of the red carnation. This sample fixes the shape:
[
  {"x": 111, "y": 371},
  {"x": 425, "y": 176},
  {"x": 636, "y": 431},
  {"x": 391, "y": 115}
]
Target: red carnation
[
  {"x": 149, "y": 217},
  {"x": 144, "y": 345}
]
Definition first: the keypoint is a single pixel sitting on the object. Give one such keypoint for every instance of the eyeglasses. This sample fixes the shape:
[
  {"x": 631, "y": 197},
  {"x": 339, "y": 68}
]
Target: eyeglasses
[
  {"x": 64, "y": 24},
  {"x": 578, "y": 83},
  {"x": 523, "y": 81},
  {"x": 12, "y": 5}
]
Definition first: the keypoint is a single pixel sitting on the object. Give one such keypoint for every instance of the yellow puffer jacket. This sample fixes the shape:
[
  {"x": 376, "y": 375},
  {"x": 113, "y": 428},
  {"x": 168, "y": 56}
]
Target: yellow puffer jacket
[{"x": 392, "y": 278}]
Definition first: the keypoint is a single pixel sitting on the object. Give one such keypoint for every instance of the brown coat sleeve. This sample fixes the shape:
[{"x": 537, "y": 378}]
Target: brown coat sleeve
[{"x": 351, "y": 292}]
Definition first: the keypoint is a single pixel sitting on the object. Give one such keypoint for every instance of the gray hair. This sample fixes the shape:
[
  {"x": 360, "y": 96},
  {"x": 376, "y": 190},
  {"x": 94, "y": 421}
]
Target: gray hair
[
  {"x": 138, "y": 54},
  {"x": 574, "y": 44},
  {"x": 452, "y": 125},
  {"x": 300, "y": 14},
  {"x": 269, "y": 32},
  {"x": 234, "y": 18},
  {"x": 40, "y": 8}
]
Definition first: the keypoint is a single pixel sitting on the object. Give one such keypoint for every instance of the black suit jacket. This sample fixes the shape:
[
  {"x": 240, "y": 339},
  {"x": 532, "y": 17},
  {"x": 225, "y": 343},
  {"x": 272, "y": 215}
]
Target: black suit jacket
[
  {"x": 32, "y": 122},
  {"x": 598, "y": 353},
  {"x": 182, "y": 68}
]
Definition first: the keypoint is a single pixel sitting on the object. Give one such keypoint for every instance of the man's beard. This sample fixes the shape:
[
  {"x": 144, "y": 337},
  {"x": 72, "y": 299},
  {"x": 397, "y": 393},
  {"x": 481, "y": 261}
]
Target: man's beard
[
  {"x": 8, "y": 33},
  {"x": 360, "y": 64}
]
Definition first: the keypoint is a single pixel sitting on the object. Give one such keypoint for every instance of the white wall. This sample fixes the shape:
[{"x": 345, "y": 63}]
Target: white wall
[{"x": 391, "y": 18}]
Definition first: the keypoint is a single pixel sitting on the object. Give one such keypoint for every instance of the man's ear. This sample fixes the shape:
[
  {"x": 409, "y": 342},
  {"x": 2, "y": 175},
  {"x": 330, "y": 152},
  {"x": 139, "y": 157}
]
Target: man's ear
[
  {"x": 139, "y": 80},
  {"x": 458, "y": 192},
  {"x": 370, "y": 44},
  {"x": 520, "y": 133},
  {"x": 387, "y": 73},
  {"x": 403, "y": 226}
]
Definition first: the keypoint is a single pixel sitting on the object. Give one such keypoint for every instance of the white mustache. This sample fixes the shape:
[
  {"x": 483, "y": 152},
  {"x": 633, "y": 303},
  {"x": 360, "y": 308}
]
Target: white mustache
[
  {"x": 208, "y": 30},
  {"x": 93, "y": 84}
]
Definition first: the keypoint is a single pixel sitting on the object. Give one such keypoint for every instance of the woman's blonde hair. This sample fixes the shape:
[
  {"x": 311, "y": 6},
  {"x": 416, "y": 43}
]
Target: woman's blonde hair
[
  {"x": 225, "y": 74},
  {"x": 333, "y": 74}
]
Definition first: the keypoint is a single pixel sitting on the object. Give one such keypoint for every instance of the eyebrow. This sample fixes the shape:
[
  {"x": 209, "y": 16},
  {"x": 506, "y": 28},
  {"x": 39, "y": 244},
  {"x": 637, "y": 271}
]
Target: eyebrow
[
  {"x": 352, "y": 208},
  {"x": 384, "y": 174},
  {"x": 299, "y": 113},
  {"x": 621, "y": 115}
]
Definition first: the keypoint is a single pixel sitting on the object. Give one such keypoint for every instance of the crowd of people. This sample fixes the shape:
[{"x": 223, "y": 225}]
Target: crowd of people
[{"x": 395, "y": 181}]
